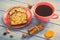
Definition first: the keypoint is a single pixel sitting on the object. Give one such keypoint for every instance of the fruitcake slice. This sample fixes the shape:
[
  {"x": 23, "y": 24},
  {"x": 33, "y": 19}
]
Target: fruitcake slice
[{"x": 18, "y": 16}]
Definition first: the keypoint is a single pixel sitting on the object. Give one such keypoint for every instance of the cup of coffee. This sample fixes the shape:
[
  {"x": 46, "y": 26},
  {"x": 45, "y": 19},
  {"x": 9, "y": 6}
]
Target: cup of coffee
[{"x": 44, "y": 11}]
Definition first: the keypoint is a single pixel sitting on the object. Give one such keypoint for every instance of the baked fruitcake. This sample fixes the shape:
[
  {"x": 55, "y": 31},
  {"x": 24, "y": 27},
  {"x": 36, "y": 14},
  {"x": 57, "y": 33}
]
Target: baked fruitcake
[{"x": 18, "y": 16}]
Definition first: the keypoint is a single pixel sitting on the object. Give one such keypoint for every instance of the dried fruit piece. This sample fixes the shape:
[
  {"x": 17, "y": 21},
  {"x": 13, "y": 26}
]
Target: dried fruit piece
[
  {"x": 5, "y": 33},
  {"x": 11, "y": 36},
  {"x": 29, "y": 5},
  {"x": 24, "y": 35},
  {"x": 49, "y": 34},
  {"x": 7, "y": 30}
]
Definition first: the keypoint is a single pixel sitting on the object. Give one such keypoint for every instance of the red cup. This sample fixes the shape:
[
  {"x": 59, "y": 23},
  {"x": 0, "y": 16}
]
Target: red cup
[
  {"x": 6, "y": 17},
  {"x": 52, "y": 16}
]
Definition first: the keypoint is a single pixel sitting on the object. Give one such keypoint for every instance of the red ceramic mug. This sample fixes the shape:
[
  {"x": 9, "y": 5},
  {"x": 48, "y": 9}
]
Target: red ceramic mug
[{"x": 45, "y": 18}]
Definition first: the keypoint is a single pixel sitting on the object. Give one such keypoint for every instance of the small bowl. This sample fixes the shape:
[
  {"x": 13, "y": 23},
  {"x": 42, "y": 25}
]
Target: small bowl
[{"x": 6, "y": 17}]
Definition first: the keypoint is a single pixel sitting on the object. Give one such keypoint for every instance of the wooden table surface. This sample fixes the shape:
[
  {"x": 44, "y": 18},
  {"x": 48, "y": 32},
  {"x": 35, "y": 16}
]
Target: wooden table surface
[{"x": 52, "y": 24}]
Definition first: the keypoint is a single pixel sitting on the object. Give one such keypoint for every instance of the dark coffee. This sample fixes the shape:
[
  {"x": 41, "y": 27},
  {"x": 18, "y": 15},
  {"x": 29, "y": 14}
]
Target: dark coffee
[{"x": 44, "y": 10}]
